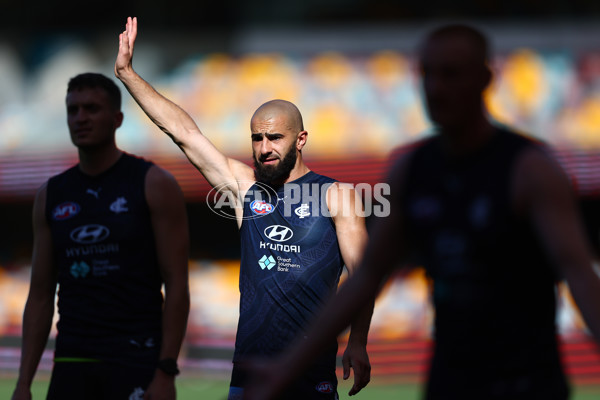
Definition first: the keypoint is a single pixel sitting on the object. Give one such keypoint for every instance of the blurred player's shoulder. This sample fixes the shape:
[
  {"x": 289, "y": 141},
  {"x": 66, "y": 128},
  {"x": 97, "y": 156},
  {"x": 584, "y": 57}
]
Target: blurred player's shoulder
[
  {"x": 402, "y": 151},
  {"x": 398, "y": 161}
]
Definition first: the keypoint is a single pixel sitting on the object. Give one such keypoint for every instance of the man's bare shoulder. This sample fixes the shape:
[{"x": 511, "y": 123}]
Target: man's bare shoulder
[
  {"x": 160, "y": 177},
  {"x": 537, "y": 173},
  {"x": 39, "y": 203},
  {"x": 536, "y": 165}
]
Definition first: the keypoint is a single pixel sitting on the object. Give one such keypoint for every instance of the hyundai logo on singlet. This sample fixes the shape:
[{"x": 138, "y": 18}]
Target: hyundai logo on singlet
[
  {"x": 88, "y": 234},
  {"x": 261, "y": 207},
  {"x": 279, "y": 233}
]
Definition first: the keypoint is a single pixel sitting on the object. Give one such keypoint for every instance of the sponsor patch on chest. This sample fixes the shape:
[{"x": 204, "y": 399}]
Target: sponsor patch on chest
[
  {"x": 325, "y": 387},
  {"x": 65, "y": 210},
  {"x": 261, "y": 207}
]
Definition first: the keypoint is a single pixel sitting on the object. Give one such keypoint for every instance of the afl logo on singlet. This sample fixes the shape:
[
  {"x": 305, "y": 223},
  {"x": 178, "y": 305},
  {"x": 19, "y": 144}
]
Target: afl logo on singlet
[
  {"x": 65, "y": 211},
  {"x": 324, "y": 387},
  {"x": 261, "y": 207}
]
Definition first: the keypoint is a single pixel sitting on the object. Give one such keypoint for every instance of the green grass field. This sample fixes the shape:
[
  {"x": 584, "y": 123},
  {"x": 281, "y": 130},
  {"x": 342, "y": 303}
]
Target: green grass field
[{"x": 216, "y": 389}]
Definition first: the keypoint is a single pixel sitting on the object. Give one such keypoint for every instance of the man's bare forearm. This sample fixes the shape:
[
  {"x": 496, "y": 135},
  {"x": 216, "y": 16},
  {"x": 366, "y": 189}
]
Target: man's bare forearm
[
  {"x": 175, "y": 316},
  {"x": 585, "y": 289},
  {"x": 165, "y": 114},
  {"x": 37, "y": 322},
  {"x": 359, "y": 329}
]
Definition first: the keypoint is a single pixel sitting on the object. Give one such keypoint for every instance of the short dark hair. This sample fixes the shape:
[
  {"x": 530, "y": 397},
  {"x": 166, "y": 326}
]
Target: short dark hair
[
  {"x": 95, "y": 80},
  {"x": 478, "y": 38}
]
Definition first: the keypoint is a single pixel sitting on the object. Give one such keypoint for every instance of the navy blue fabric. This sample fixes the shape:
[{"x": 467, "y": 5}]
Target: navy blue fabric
[
  {"x": 318, "y": 383},
  {"x": 291, "y": 265},
  {"x": 109, "y": 298},
  {"x": 98, "y": 381},
  {"x": 493, "y": 286}
]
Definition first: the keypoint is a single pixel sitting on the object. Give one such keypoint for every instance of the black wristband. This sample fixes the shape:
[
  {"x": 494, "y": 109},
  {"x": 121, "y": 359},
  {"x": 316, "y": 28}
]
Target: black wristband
[{"x": 168, "y": 366}]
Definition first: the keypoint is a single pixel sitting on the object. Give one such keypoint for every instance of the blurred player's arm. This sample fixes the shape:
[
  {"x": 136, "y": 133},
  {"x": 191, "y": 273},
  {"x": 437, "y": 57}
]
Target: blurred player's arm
[
  {"x": 39, "y": 309},
  {"x": 346, "y": 209},
  {"x": 543, "y": 189},
  {"x": 169, "y": 223},
  {"x": 384, "y": 250},
  {"x": 175, "y": 122}
]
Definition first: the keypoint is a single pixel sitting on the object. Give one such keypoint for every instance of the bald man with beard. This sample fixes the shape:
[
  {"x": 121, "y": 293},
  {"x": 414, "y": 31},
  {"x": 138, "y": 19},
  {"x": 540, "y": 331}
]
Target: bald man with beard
[{"x": 298, "y": 230}]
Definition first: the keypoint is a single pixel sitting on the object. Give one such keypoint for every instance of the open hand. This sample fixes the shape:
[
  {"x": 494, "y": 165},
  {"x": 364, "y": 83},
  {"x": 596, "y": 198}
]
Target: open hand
[{"x": 123, "y": 63}]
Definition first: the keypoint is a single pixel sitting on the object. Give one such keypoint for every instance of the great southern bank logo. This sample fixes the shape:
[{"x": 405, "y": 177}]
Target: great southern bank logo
[
  {"x": 266, "y": 262},
  {"x": 80, "y": 269}
]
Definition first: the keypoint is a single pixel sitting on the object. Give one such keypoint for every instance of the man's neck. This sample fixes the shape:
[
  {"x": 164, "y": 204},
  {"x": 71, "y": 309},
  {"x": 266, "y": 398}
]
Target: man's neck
[
  {"x": 95, "y": 161},
  {"x": 300, "y": 169},
  {"x": 462, "y": 140}
]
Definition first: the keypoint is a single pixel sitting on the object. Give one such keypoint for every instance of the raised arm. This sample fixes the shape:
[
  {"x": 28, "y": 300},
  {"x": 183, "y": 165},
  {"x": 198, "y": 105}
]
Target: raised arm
[
  {"x": 39, "y": 309},
  {"x": 169, "y": 223},
  {"x": 546, "y": 194},
  {"x": 218, "y": 169},
  {"x": 347, "y": 212}
]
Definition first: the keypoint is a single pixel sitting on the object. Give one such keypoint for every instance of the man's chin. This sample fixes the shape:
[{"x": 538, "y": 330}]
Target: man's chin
[
  {"x": 80, "y": 144},
  {"x": 270, "y": 165},
  {"x": 270, "y": 177},
  {"x": 83, "y": 145}
]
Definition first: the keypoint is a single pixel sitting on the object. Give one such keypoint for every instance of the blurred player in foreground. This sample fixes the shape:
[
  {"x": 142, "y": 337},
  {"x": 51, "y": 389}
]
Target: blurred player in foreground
[
  {"x": 109, "y": 231},
  {"x": 298, "y": 229},
  {"x": 494, "y": 221}
]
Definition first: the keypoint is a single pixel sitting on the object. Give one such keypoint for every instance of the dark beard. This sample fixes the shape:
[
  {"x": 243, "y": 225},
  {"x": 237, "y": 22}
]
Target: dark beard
[{"x": 275, "y": 175}]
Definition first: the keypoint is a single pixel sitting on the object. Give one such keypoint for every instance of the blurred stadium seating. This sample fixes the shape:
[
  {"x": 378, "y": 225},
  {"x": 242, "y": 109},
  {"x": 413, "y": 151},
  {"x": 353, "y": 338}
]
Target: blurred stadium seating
[
  {"x": 358, "y": 106},
  {"x": 355, "y": 104}
]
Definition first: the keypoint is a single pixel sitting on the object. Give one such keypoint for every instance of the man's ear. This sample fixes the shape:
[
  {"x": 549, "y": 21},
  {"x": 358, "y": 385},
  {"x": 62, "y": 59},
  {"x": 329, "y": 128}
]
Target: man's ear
[
  {"x": 118, "y": 119},
  {"x": 487, "y": 76},
  {"x": 301, "y": 140}
]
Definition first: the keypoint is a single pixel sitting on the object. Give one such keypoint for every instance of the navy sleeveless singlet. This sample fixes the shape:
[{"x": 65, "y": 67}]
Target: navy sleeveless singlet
[
  {"x": 493, "y": 286},
  {"x": 109, "y": 298},
  {"x": 291, "y": 265}
]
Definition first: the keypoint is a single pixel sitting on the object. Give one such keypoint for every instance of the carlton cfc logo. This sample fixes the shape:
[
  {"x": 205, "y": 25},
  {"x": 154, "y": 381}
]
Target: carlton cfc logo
[
  {"x": 261, "y": 207},
  {"x": 324, "y": 387},
  {"x": 65, "y": 211}
]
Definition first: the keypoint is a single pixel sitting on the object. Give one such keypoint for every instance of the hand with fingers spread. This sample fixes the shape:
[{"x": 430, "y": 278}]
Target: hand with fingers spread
[{"x": 123, "y": 63}]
